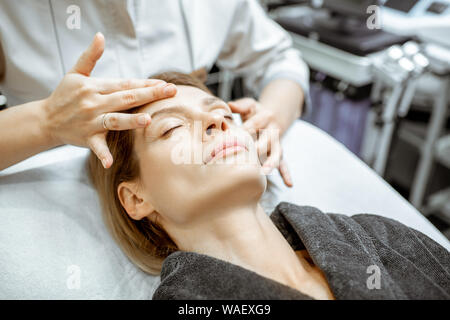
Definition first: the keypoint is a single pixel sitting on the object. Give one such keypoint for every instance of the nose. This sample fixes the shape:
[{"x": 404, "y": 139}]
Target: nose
[{"x": 214, "y": 122}]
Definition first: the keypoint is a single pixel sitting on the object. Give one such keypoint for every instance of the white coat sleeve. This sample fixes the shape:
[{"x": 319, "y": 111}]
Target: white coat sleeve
[{"x": 259, "y": 50}]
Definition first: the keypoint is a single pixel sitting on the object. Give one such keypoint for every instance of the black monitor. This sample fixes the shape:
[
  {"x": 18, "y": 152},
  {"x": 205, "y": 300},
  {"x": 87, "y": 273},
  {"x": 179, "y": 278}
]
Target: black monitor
[
  {"x": 354, "y": 8},
  {"x": 341, "y": 24},
  {"x": 345, "y": 16}
]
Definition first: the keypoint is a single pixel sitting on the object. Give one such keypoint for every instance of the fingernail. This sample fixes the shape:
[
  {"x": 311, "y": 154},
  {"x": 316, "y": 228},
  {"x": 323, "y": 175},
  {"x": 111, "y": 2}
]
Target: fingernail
[
  {"x": 169, "y": 89},
  {"x": 289, "y": 181},
  {"x": 142, "y": 119},
  {"x": 104, "y": 162}
]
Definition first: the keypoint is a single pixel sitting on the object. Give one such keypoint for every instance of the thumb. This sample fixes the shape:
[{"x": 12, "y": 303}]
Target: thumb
[
  {"x": 97, "y": 143},
  {"x": 88, "y": 59}
]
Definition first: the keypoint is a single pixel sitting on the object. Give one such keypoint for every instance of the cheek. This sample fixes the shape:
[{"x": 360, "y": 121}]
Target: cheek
[{"x": 165, "y": 178}]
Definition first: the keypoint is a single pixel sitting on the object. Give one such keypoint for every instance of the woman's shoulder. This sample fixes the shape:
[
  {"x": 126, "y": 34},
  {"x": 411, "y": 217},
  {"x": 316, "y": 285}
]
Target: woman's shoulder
[
  {"x": 349, "y": 244},
  {"x": 383, "y": 233},
  {"x": 373, "y": 225}
]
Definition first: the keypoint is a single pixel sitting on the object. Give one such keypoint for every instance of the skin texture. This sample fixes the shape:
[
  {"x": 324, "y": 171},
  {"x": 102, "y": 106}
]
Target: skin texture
[{"x": 211, "y": 208}]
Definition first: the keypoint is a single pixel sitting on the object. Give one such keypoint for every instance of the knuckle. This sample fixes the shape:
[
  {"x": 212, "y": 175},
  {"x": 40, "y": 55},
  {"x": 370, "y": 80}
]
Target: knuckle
[
  {"x": 87, "y": 106},
  {"x": 136, "y": 120},
  {"x": 126, "y": 85},
  {"x": 154, "y": 93},
  {"x": 85, "y": 89},
  {"x": 159, "y": 91},
  {"x": 113, "y": 122},
  {"x": 129, "y": 99}
]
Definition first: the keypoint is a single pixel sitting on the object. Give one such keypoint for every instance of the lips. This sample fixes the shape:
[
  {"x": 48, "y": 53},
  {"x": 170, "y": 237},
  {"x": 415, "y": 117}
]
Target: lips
[{"x": 224, "y": 148}]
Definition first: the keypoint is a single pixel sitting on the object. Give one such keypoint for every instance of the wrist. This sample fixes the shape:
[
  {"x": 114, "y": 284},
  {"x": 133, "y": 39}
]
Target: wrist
[{"x": 45, "y": 126}]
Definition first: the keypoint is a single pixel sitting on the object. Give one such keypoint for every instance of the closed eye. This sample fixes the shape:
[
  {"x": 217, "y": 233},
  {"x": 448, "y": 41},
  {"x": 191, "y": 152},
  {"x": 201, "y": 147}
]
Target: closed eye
[
  {"x": 166, "y": 133},
  {"x": 229, "y": 116}
]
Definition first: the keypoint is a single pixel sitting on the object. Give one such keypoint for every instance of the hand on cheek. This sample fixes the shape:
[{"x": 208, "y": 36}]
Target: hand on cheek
[{"x": 261, "y": 123}]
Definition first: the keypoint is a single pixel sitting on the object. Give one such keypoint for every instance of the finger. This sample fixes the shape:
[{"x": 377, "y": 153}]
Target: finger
[
  {"x": 244, "y": 106},
  {"x": 275, "y": 153},
  {"x": 285, "y": 174},
  {"x": 268, "y": 139},
  {"x": 123, "y": 100},
  {"x": 257, "y": 122},
  {"x": 107, "y": 86},
  {"x": 88, "y": 58},
  {"x": 97, "y": 143},
  {"x": 124, "y": 121},
  {"x": 273, "y": 161},
  {"x": 263, "y": 145}
]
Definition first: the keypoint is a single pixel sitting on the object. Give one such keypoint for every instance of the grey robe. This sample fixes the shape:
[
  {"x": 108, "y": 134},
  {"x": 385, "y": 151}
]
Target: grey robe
[{"x": 353, "y": 252}]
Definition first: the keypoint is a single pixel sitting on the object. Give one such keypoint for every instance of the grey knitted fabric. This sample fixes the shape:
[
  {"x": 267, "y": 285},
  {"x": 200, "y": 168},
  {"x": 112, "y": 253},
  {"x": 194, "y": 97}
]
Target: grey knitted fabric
[{"x": 351, "y": 251}]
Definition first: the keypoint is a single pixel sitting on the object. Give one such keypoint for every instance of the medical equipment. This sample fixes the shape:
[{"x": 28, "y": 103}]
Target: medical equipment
[
  {"x": 429, "y": 21},
  {"x": 346, "y": 16},
  {"x": 426, "y": 19},
  {"x": 352, "y": 8},
  {"x": 398, "y": 68},
  {"x": 340, "y": 24}
]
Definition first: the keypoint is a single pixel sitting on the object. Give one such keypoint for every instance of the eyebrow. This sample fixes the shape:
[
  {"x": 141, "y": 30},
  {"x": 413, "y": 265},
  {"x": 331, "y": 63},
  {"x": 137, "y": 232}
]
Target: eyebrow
[
  {"x": 182, "y": 109},
  {"x": 211, "y": 100},
  {"x": 173, "y": 109}
]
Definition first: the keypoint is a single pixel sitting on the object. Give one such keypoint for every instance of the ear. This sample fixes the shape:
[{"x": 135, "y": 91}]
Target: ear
[{"x": 134, "y": 204}]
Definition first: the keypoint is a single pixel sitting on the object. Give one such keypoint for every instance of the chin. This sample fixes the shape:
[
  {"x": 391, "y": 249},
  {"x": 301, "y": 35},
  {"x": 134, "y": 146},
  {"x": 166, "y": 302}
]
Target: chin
[
  {"x": 221, "y": 187},
  {"x": 244, "y": 181}
]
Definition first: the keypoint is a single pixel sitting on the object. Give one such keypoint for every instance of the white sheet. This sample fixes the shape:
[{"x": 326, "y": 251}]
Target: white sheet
[{"x": 52, "y": 235}]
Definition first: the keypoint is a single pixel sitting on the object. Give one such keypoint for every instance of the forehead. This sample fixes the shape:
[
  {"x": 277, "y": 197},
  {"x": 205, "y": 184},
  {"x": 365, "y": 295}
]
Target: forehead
[{"x": 187, "y": 96}]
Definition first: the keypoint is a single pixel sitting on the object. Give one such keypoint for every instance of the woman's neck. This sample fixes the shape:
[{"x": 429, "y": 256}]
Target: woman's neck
[{"x": 245, "y": 236}]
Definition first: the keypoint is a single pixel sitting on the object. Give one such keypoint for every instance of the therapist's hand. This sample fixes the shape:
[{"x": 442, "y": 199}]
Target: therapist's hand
[
  {"x": 80, "y": 107},
  {"x": 262, "y": 122}
]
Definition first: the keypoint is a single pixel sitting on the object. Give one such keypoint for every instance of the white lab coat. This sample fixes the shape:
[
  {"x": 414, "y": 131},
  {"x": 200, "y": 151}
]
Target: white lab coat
[{"x": 143, "y": 37}]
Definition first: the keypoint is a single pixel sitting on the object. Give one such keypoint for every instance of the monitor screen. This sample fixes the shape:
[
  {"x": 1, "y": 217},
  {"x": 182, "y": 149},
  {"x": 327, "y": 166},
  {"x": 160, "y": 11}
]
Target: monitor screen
[
  {"x": 404, "y": 5},
  {"x": 349, "y": 7}
]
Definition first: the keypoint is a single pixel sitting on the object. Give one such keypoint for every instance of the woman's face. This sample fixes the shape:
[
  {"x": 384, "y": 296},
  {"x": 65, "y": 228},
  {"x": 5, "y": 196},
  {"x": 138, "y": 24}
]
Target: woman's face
[{"x": 193, "y": 157}]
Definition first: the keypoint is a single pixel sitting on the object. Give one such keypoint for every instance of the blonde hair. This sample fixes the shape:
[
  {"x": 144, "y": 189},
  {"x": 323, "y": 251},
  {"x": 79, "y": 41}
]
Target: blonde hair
[{"x": 145, "y": 242}]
